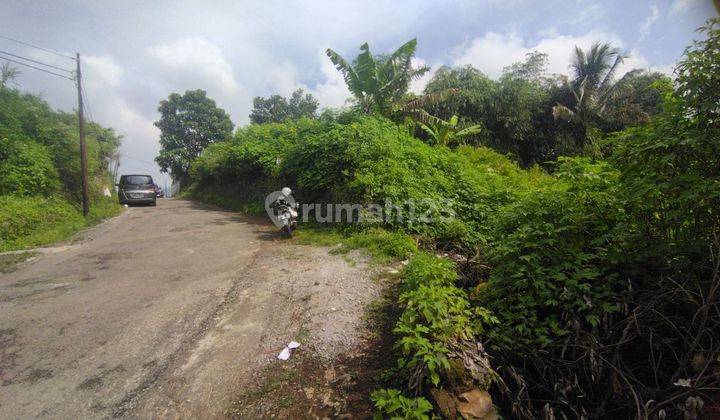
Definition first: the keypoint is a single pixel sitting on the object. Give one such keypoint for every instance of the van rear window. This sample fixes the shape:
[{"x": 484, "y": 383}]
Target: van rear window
[{"x": 138, "y": 180}]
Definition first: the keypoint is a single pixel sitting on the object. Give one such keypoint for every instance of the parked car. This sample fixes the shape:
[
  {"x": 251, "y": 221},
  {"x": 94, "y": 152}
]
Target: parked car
[
  {"x": 159, "y": 193},
  {"x": 137, "y": 189}
]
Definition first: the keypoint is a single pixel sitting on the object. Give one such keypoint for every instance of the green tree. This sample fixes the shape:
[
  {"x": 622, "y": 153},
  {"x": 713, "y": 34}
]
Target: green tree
[
  {"x": 188, "y": 124},
  {"x": 518, "y": 111},
  {"x": 513, "y": 111},
  {"x": 278, "y": 109},
  {"x": 591, "y": 87},
  {"x": 379, "y": 82},
  {"x": 473, "y": 91},
  {"x": 637, "y": 97}
]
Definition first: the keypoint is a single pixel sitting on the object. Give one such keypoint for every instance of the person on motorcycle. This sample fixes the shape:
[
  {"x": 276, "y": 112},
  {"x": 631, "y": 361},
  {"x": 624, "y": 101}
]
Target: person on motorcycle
[{"x": 283, "y": 199}]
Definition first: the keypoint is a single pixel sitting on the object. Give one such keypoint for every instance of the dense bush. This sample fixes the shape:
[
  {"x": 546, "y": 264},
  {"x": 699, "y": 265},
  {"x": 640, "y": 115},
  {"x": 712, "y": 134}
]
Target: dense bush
[
  {"x": 27, "y": 168},
  {"x": 607, "y": 287},
  {"x": 40, "y": 180},
  {"x": 370, "y": 160},
  {"x": 30, "y": 220},
  {"x": 549, "y": 256},
  {"x": 39, "y": 148}
]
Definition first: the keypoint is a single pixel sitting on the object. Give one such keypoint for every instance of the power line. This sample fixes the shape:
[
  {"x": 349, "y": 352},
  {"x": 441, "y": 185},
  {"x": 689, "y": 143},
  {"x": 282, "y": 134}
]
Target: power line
[
  {"x": 39, "y": 48},
  {"x": 36, "y": 68},
  {"x": 86, "y": 102},
  {"x": 35, "y": 61}
]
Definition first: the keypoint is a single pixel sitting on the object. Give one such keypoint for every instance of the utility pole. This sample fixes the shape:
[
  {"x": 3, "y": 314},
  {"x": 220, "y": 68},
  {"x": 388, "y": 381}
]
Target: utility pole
[{"x": 83, "y": 148}]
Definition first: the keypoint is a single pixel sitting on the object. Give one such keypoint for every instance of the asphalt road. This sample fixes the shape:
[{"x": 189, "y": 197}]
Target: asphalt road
[{"x": 161, "y": 312}]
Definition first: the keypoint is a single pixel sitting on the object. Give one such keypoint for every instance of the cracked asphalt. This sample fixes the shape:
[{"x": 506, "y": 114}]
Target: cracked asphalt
[{"x": 162, "y": 312}]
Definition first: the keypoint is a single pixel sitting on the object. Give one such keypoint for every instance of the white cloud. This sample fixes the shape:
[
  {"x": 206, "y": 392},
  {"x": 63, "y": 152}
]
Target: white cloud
[
  {"x": 101, "y": 72},
  {"x": 668, "y": 69},
  {"x": 647, "y": 23},
  {"x": 283, "y": 78},
  {"x": 634, "y": 61},
  {"x": 588, "y": 13},
  {"x": 418, "y": 85},
  {"x": 681, "y": 6},
  {"x": 494, "y": 51},
  {"x": 195, "y": 58},
  {"x": 333, "y": 91}
]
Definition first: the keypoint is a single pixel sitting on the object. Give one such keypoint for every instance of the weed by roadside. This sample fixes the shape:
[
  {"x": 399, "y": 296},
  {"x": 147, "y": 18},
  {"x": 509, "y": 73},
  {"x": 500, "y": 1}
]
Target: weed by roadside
[
  {"x": 383, "y": 246},
  {"x": 35, "y": 221},
  {"x": 8, "y": 262}
]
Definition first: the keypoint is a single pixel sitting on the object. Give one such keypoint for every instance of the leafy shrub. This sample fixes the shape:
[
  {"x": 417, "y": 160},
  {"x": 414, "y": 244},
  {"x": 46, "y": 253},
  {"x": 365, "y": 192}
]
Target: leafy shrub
[
  {"x": 551, "y": 255},
  {"x": 369, "y": 160},
  {"x": 40, "y": 171},
  {"x": 427, "y": 269},
  {"x": 102, "y": 208},
  {"x": 436, "y": 314},
  {"x": 27, "y": 168},
  {"x": 391, "y": 404},
  {"x": 26, "y": 221},
  {"x": 35, "y": 221},
  {"x": 39, "y": 148},
  {"x": 381, "y": 244}
]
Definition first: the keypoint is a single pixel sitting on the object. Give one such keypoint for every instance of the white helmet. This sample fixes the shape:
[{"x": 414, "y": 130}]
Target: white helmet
[{"x": 286, "y": 191}]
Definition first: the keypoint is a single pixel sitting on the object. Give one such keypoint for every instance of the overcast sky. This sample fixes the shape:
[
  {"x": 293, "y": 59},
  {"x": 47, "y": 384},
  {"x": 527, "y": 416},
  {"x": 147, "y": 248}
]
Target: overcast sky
[{"x": 135, "y": 53}]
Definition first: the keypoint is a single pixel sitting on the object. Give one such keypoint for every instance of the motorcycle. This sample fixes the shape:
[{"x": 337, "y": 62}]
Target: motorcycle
[{"x": 287, "y": 215}]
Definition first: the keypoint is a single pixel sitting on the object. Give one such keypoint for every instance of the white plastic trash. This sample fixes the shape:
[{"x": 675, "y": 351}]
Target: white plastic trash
[{"x": 284, "y": 354}]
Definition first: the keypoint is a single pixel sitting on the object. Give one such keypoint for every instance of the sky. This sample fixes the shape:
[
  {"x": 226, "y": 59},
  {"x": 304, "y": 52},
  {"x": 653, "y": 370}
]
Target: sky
[{"x": 136, "y": 53}]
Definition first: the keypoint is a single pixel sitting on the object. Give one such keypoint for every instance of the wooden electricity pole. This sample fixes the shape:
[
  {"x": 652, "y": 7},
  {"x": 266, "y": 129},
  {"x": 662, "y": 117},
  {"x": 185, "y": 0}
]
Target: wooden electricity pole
[{"x": 83, "y": 148}]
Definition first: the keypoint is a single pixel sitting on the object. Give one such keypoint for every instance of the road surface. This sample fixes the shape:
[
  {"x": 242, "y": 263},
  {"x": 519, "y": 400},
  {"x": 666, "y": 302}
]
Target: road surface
[{"x": 164, "y": 312}]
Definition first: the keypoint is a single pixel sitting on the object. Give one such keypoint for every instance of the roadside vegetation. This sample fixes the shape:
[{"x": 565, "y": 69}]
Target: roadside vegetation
[
  {"x": 579, "y": 276},
  {"x": 40, "y": 183},
  {"x": 8, "y": 262}
]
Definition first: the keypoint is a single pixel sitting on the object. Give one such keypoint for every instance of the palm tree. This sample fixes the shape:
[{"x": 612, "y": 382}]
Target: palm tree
[
  {"x": 8, "y": 73},
  {"x": 591, "y": 87},
  {"x": 447, "y": 133},
  {"x": 379, "y": 82}
]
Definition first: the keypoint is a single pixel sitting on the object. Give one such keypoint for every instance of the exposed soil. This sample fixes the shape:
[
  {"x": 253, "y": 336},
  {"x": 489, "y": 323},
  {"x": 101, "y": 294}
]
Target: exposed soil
[{"x": 312, "y": 387}]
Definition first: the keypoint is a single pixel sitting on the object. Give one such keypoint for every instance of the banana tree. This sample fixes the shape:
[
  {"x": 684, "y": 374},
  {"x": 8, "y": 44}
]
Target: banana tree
[
  {"x": 448, "y": 133},
  {"x": 378, "y": 82}
]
